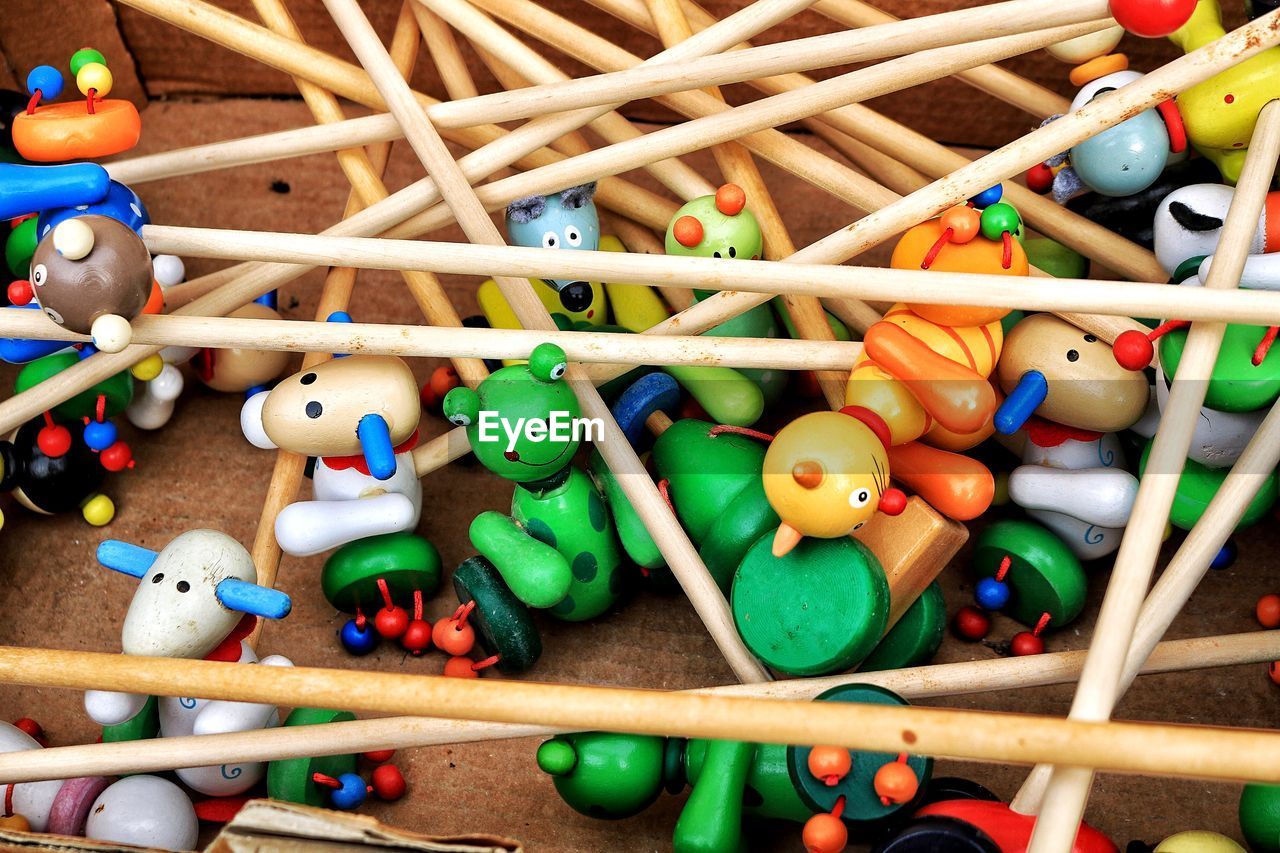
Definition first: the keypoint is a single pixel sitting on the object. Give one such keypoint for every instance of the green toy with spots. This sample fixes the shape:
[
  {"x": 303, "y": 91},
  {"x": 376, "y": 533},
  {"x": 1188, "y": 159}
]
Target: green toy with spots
[{"x": 558, "y": 549}]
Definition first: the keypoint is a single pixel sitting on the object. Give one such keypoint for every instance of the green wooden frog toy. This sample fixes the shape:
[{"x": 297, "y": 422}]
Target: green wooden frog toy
[
  {"x": 557, "y": 550},
  {"x": 615, "y": 776}
]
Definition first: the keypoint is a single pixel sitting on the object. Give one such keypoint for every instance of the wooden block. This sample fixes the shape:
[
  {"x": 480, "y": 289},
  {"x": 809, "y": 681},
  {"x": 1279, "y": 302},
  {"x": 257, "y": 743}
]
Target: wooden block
[{"x": 913, "y": 548}]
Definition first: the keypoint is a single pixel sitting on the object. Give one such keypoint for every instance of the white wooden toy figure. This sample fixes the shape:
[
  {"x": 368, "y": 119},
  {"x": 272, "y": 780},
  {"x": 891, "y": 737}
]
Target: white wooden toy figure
[
  {"x": 1188, "y": 224},
  {"x": 359, "y": 416},
  {"x": 196, "y": 599},
  {"x": 1219, "y": 437},
  {"x": 144, "y": 811}
]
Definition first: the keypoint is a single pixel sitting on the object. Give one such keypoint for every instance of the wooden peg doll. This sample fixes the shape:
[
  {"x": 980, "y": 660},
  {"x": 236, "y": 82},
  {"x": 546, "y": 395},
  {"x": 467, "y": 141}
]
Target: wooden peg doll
[
  {"x": 359, "y": 416},
  {"x": 92, "y": 275},
  {"x": 140, "y": 810},
  {"x": 564, "y": 220},
  {"x": 196, "y": 599}
]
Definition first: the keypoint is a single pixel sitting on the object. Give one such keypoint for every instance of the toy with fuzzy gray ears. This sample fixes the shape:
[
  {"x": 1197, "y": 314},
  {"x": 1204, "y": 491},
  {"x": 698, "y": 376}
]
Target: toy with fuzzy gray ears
[{"x": 563, "y": 220}]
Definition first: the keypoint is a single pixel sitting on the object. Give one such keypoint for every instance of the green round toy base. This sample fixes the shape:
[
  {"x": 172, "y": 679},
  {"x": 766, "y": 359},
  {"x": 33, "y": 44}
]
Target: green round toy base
[
  {"x": 405, "y": 561},
  {"x": 1197, "y": 487},
  {"x": 1236, "y": 384},
  {"x": 290, "y": 779},
  {"x": 1260, "y": 817},
  {"x": 144, "y": 725},
  {"x": 1044, "y": 576},
  {"x": 117, "y": 389},
  {"x": 747, "y": 518},
  {"x": 820, "y": 609},
  {"x": 502, "y": 622},
  {"x": 915, "y": 639},
  {"x": 862, "y": 806}
]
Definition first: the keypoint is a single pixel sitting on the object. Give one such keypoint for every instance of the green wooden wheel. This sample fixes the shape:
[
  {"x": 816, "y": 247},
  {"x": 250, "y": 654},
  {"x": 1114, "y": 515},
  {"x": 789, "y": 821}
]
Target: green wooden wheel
[
  {"x": 502, "y": 622},
  {"x": 290, "y": 779},
  {"x": 405, "y": 561}
]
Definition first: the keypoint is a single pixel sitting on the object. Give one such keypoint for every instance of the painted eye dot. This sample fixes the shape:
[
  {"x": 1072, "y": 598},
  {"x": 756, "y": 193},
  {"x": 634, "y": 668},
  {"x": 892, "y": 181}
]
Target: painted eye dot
[
  {"x": 39, "y": 275},
  {"x": 558, "y": 370},
  {"x": 550, "y": 240},
  {"x": 159, "y": 578},
  {"x": 308, "y": 378},
  {"x": 183, "y": 586},
  {"x": 1090, "y": 339},
  {"x": 733, "y": 252},
  {"x": 314, "y": 410},
  {"x": 859, "y": 498},
  {"x": 1073, "y": 355},
  {"x": 460, "y": 419},
  {"x": 573, "y": 236},
  {"x": 715, "y": 254},
  {"x": 1229, "y": 99}
]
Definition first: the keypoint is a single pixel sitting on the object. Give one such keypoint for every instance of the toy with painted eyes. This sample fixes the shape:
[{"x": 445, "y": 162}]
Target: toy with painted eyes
[
  {"x": 359, "y": 416},
  {"x": 924, "y": 371},
  {"x": 84, "y": 130},
  {"x": 1189, "y": 223},
  {"x": 197, "y": 598},
  {"x": 716, "y": 226},
  {"x": 1221, "y": 113},
  {"x": 557, "y": 550},
  {"x": 92, "y": 275},
  {"x": 1122, "y": 160},
  {"x": 565, "y": 220}
]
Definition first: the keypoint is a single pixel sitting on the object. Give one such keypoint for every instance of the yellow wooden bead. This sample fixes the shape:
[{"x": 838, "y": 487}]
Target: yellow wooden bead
[
  {"x": 96, "y": 76},
  {"x": 1198, "y": 841},
  {"x": 98, "y": 510},
  {"x": 147, "y": 369}
]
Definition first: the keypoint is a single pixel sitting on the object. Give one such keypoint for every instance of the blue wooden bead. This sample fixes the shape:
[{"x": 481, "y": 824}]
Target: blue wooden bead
[
  {"x": 352, "y": 793},
  {"x": 988, "y": 197},
  {"x": 991, "y": 593},
  {"x": 99, "y": 435},
  {"x": 47, "y": 79},
  {"x": 1226, "y": 557},
  {"x": 356, "y": 640}
]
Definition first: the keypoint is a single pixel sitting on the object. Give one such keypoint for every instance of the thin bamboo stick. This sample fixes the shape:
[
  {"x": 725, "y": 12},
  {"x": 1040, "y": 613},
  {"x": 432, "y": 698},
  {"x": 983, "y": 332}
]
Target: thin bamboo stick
[
  {"x": 1068, "y": 788},
  {"x": 923, "y": 682},
  {"x": 618, "y": 454},
  {"x": 452, "y": 342},
  {"x": 446, "y": 54},
  {"x": 1186, "y": 751},
  {"x": 1117, "y": 298}
]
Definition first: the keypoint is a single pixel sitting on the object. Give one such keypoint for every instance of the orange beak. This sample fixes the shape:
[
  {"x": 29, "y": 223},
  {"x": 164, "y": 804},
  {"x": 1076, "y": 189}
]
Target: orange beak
[{"x": 785, "y": 539}]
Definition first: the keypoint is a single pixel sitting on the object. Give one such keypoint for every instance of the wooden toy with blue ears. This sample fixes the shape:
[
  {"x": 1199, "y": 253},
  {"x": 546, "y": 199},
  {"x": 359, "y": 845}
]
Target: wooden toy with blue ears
[
  {"x": 564, "y": 220},
  {"x": 557, "y": 550},
  {"x": 359, "y": 415},
  {"x": 197, "y": 598}
]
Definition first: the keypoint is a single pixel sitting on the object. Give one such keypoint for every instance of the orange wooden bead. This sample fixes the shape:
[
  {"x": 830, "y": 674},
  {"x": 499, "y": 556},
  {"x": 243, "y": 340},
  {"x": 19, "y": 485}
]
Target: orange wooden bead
[
  {"x": 15, "y": 823},
  {"x": 824, "y": 833},
  {"x": 830, "y": 763},
  {"x": 453, "y": 638},
  {"x": 1097, "y": 68},
  {"x": 687, "y": 231},
  {"x": 459, "y": 667},
  {"x": 1273, "y": 670},
  {"x": 896, "y": 782},
  {"x": 730, "y": 199},
  {"x": 964, "y": 222},
  {"x": 1268, "y": 611}
]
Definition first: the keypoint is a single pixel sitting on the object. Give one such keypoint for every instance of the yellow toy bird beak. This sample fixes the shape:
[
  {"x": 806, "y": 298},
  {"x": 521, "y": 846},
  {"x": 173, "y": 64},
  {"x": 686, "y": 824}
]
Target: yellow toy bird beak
[{"x": 785, "y": 539}]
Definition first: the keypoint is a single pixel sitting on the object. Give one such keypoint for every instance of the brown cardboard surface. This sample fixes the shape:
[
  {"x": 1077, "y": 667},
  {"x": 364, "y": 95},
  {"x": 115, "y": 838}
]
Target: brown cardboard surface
[{"x": 199, "y": 472}]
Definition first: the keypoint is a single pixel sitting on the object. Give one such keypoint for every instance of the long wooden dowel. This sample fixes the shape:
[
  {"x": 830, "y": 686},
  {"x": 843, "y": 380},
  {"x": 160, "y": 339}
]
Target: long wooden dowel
[
  {"x": 452, "y": 342},
  {"x": 1185, "y": 751},
  {"x": 618, "y": 454},
  {"x": 764, "y": 277},
  {"x": 1068, "y": 788},
  {"x": 922, "y": 682},
  {"x": 738, "y": 167}
]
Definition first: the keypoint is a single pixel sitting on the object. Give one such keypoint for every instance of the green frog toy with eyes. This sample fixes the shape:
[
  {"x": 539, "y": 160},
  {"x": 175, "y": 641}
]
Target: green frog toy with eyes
[{"x": 557, "y": 550}]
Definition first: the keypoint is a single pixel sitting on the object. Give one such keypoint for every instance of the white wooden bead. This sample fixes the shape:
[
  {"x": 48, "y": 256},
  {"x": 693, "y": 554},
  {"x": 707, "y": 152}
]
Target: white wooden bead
[
  {"x": 108, "y": 708},
  {"x": 145, "y": 811},
  {"x": 168, "y": 270},
  {"x": 1081, "y": 49},
  {"x": 73, "y": 239},
  {"x": 32, "y": 800}
]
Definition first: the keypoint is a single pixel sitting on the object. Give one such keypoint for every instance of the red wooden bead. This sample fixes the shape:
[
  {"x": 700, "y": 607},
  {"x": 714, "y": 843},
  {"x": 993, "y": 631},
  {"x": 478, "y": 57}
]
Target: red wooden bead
[
  {"x": 1152, "y": 19},
  {"x": 20, "y": 292},
  {"x": 1026, "y": 643},
  {"x": 32, "y": 728},
  {"x": 391, "y": 622},
  {"x": 1273, "y": 670},
  {"x": 971, "y": 624},
  {"x": 1133, "y": 350},
  {"x": 417, "y": 637},
  {"x": 730, "y": 199},
  {"x": 1040, "y": 179},
  {"x": 388, "y": 782},
  {"x": 453, "y": 638},
  {"x": 459, "y": 667},
  {"x": 117, "y": 457},
  {"x": 54, "y": 440},
  {"x": 380, "y": 756},
  {"x": 1268, "y": 611}
]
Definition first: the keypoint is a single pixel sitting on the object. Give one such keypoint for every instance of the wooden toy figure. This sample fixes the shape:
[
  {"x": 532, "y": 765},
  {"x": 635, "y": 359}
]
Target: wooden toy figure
[
  {"x": 196, "y": 599},
  {"x": 835, "y": 792},
  {"x": 716, "y": 226},
  {"x": 359, "y": 415},
  {"x": 141, "y": 810},
  {"x": 75, "y": 131},
  {"x": 564, "y": 220},
  {"x": 1188, "y": 224},
  {"x": 91, "y": 275},
  {"x": 557, "y": 550},
  {"x": 30, "y": 189},
  {"x": 925, "y": 367},
  {"x": 1221, "y": 113}
]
